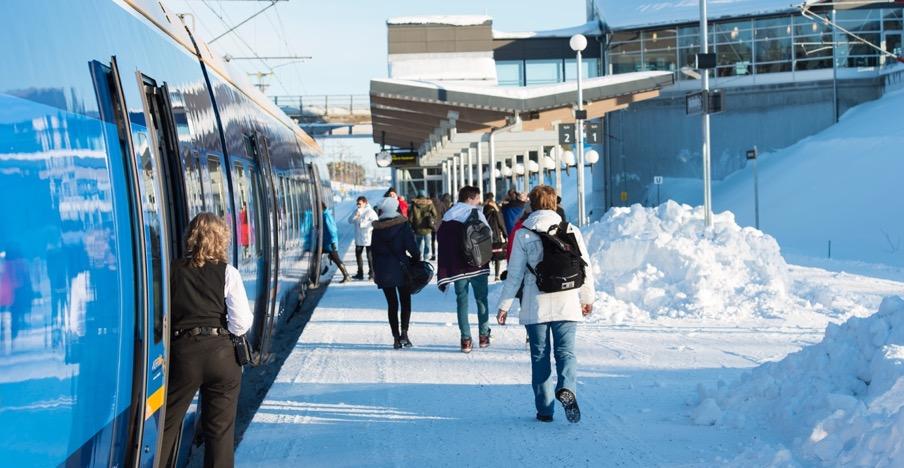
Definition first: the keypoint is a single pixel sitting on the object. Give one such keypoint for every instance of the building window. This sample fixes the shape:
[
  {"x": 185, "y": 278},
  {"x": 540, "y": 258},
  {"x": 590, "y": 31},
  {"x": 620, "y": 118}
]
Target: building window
[
  {"x": 660, "y": 49},
  {"x": 510, "y": 72},
  {"x": 543, "y": 71},
  {"x": 590, "y": 68},
  {"x": 624, "y": 52},
  {"x": 812, "y": 44},
  {"x": 734, "y": 48}
]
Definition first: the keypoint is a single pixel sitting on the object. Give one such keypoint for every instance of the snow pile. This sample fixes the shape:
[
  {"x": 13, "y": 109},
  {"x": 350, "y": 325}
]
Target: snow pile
[
  {"x": 839, "y": 402},
  {"x": 663, "y": 262}
]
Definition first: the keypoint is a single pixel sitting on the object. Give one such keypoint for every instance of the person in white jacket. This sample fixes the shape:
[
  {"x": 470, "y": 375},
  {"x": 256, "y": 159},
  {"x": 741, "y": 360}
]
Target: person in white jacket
[
  {"x": 363, "y": 218},
  {"x": 547, "y": 315}
]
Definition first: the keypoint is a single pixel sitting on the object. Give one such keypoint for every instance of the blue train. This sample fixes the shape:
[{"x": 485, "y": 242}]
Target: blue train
[{"x": 116, "y": 127}]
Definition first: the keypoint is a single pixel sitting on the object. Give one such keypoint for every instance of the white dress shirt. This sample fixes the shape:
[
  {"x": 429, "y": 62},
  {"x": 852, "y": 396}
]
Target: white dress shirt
[{"x": 238, "y": 314}]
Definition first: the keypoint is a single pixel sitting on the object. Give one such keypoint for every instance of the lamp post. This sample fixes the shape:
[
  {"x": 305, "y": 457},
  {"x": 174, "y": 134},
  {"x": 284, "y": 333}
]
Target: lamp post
[
  {"x": 578, "y": 43},
  {"x": 707, "y": 176}
]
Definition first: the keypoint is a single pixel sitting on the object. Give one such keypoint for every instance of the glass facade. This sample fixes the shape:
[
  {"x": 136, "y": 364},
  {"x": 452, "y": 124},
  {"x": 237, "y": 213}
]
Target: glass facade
[
  {"x": 764, "y": 45},
  {"x": 543, "y": 71}
]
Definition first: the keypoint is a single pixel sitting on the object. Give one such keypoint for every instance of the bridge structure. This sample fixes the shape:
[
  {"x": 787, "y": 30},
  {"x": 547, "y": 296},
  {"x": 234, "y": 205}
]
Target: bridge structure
[{"x": 338, "y": 115}]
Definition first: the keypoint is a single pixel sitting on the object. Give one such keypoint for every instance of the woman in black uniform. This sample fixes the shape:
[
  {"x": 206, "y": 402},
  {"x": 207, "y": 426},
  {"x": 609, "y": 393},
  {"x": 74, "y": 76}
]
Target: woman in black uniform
[{"x": 208, "y": 304}]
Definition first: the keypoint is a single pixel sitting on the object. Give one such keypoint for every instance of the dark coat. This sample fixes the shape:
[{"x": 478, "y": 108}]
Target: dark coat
[
  {"x": 391, "y": 239},
  {"x": 511, "y": 211},
  {"x": 497, "y": 224},
  {"x": 451, "y": 264}
]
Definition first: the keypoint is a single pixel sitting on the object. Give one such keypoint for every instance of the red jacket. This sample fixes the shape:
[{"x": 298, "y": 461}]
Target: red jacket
[
  {"x": 511, "y": 238},
  {"x": 403, "y": 207}
]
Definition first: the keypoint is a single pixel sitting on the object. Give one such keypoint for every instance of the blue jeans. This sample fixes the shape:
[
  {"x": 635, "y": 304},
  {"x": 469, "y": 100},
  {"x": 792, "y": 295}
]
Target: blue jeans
[
  {"x": 563, "y": 334},
  {"x": 423, "y": 245},
  {"x": 479, "y": 284}
]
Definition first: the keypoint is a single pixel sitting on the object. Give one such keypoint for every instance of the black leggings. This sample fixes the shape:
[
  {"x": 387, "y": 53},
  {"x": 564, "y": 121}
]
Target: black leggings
[
  {"x": 359, "y": 249},
  {"x": 393, "y": 297}
]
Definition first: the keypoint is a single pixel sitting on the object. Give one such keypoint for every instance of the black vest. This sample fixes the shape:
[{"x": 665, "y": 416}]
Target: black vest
[{"x": 196, "y": 295}]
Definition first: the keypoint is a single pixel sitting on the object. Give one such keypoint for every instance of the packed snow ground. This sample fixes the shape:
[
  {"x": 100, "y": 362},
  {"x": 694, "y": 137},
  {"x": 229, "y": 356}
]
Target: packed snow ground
[{"x": 648, "y": 378}]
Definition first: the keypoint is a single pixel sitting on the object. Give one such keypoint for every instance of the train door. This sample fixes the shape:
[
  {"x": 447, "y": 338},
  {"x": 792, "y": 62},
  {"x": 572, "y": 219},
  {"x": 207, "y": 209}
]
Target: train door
[
  {"x": 163, "y": 206},
  {"x": 148, "y": 201},
  {"x": 260, "y": 149},
  {"x": 317, "y": 230}
]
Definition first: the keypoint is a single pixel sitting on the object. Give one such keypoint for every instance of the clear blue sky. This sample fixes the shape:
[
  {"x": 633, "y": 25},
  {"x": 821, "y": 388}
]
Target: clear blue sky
[{"x": 347, "y": 39}]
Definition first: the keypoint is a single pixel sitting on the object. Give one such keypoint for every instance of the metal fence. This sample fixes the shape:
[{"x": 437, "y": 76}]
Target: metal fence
[{"x": 324, "y": 104}]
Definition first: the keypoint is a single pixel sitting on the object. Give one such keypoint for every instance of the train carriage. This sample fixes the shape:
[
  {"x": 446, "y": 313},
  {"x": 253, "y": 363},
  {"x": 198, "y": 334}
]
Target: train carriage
[{"x": 116, "y": 127}]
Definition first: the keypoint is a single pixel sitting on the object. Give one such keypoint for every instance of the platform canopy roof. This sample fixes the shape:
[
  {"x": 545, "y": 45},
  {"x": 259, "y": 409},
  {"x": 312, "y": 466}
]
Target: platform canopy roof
[{"x": 440, "y": 120}]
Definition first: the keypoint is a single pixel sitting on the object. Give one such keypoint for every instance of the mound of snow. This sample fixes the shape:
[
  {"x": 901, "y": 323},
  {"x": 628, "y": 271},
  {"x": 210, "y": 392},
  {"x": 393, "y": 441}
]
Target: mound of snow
[
  {"x": 839, "y": 402},
  {"x": 663, "y": 262}
]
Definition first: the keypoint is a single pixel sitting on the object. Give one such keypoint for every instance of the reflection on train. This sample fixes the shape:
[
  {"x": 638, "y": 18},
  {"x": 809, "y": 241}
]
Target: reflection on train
[{"x": 116, "y": 127}]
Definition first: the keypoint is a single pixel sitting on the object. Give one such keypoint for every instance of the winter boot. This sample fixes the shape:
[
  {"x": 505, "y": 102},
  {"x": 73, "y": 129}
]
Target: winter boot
[
  {"x": 359, "y": 276},
  {"x": 484, "y": 340},
  {"x": 544, "y": 417},
  {"x": 397, "y": 343},
  {"x": 570, "y": 403},
  {"x": 404, "y": 339},
  {"x": 466, "y": 345}
]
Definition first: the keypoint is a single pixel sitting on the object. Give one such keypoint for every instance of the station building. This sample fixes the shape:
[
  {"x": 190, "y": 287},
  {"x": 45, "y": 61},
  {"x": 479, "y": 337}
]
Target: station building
[{"x": 786, "y": 72}]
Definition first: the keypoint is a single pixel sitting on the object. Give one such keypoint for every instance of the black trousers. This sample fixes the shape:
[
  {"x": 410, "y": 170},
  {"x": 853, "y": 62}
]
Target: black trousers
[
  {"x": 394, "y": 298},
  {"x": 206, "y": 363},
  {"x": 370, "y": 259}
]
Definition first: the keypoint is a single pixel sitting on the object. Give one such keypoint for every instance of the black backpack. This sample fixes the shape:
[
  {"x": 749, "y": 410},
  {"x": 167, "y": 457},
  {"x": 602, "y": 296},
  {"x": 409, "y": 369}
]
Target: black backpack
[
  {"x": 562, "y": 268},
  {"x": 477, "y": 243}
]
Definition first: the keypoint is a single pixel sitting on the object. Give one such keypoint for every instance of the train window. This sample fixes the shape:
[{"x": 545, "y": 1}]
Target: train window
[
  {"x": 245, "y": 221},
  {"x": 193, "y": 184},
  {"x": 259, "y": 215},
  {"x": 217, "y": 186}
]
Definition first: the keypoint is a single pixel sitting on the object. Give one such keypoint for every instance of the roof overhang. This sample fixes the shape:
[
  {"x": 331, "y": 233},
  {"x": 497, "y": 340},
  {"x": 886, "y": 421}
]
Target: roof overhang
[{"x": 442, "y": 119}]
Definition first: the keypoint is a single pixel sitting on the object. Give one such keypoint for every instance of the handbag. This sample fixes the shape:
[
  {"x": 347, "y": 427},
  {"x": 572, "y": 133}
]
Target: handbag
[{"x": 243, "y": 354}]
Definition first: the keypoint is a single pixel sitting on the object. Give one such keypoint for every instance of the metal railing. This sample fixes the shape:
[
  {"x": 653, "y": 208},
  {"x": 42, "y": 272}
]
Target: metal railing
[{"x": 324, "y": 104}]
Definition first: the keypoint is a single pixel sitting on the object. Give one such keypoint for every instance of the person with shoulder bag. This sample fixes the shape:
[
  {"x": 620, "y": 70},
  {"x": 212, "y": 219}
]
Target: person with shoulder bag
[
  {"x": 392, "y": 243},
  {"x": 549, "y": 259},
  {"x": 209, "y": 309},
  {"x": 497, "y": 225}
]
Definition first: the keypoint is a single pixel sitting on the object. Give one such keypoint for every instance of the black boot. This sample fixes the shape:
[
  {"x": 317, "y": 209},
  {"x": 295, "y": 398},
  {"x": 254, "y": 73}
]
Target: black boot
[
  {"x": 396, "y": 343},
  {"x": 404, "y": 339}
]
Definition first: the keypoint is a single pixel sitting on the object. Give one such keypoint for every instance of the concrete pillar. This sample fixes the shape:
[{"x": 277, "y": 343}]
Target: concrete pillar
[
  {"x": 492, "y": 168},
  {"x": 557, "y": 150},
  {"x": 454, "y": 174},
  {"x": 470, "y": 167},
  {"x": 480, "y": 169}
]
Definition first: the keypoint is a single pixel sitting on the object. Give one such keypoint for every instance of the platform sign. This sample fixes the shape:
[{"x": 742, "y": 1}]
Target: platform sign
[
  {"x": 695, "y": 103},
  {"x": 404, "y": 159},
  {"x": 657, "y": 180},
  {"x": 593, "y": 133},
  {"x": 566, "y": 134},
  {"x": 752, "y": 154}
]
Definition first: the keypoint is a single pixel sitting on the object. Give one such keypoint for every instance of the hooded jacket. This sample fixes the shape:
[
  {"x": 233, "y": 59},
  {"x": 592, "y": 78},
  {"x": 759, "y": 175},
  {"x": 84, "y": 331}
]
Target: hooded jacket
[
  {"x": 494, "y": 217},
  {"x": 511, "y": 211},
  {"x": 536, "y": 306},
  {"x": 363, "y": 225},
  {"x": 451, "y": 263}
]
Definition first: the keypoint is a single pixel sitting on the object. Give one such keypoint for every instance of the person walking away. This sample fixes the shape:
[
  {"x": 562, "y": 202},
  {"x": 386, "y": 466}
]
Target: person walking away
[
  {"x": 208, "y": 303},
  {"x": 362, "y": 218},
  {"x": 392, "y": 243},
  {"x": 331, "y": 240},
  {"x": 423, "y": 218},
  {"x": 549, "y": 315},
  {"x": 497, "y": 225},
  {"x": 454, "y": 268},
  {"x": 512, "y": 208}
]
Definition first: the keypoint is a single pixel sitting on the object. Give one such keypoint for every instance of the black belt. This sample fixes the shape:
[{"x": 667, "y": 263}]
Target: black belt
[{"x": 203, "y": 331}]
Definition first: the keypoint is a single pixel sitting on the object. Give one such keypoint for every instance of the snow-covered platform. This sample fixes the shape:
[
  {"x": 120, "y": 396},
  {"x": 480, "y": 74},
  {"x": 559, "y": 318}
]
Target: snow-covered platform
[{"x": 344, "y": 397}]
